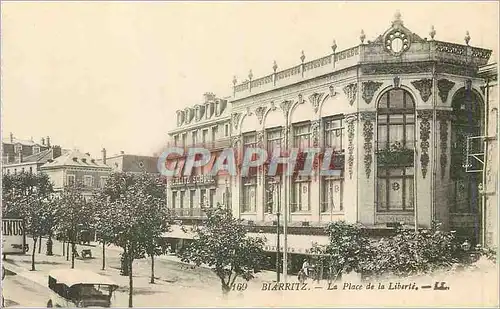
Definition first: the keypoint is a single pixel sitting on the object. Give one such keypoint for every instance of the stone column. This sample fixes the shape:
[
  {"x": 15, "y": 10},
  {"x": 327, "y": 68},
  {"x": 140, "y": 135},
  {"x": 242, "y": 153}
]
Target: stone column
[
  {"x": 366, "y": 171},
  {"x": 351, "y": 170},
  {"x": 423, "y": 168}
]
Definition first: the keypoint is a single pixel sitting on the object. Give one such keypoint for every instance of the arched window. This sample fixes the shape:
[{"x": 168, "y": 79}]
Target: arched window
[
  {"x": 395, "y": 144},
  {"x": 466, "y": 122}
]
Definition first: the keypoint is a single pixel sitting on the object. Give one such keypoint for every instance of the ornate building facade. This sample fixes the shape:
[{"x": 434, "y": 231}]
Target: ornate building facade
[
  {"x": 406, "y": 117},
  {"x": 398, "y": 110},
  {"x": 202, "y": 125}
]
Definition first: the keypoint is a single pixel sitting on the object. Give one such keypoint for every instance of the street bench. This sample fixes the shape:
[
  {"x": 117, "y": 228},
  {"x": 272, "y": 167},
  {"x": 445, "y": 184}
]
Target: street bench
[{"x": 86, "y": 253}]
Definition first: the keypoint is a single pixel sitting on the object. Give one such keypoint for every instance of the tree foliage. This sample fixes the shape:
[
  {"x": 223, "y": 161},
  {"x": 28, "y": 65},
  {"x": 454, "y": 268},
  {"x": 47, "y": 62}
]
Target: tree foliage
[{"x": 222, "y": 244}]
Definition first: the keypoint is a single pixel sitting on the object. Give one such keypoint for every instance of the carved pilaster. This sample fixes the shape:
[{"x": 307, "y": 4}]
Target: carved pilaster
[
  {"x": 315, "y": 132},
  {"x": 285, "y": 107},
  {"x": 350, "y": 92},
  {"x": 369, "y": 88},
  {"x": 351, "y": 120},
  {"x": 443, "y": 118},
  {"x": 260, "y": 144},
  {"x": 315, "y": 100},
  {"x": 368, "y": 119},
  {"x": 444, "y": 87},
  {"x": 425, "y": 133},
  {"x": 259, "y": 112},
  {"x": 235, "y": 141},
  {"x": 424, "y": 86},
  {"x": 235, "y": 120}
]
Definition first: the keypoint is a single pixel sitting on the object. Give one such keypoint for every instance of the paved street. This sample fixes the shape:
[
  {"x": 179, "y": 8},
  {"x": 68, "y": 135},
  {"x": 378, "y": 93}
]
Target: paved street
[{"x": 181, "y": 285}]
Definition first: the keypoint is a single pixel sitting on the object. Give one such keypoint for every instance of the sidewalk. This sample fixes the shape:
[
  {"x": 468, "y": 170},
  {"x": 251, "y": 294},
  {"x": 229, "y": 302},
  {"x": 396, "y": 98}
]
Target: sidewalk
[{"x": 174, "y": 279}]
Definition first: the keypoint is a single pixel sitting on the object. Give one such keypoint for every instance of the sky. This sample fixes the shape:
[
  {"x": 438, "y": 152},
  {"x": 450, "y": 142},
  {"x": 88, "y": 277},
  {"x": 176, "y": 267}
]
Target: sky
[{"x": 112, "y": 74}]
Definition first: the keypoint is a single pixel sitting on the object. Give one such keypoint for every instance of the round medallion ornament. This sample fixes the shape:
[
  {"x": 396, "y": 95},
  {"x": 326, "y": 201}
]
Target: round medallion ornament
[
  {"x": 337, "y": 188},
  {"x": 395, "y": 186},
  {"x": 304, "y": 189}
]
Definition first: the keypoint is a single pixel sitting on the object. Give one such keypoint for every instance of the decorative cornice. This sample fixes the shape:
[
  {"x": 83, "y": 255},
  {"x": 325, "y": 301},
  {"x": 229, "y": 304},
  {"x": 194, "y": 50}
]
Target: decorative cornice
[
  {"x": 424, "y": 86},
  {"x": 315, "y": 100},
  {"x": 396, "y": 69},
  {"x": 350, "y": 92},
  {"x": 259, "y": 112},
  {"x": 444, "y": 87},
  {"x": 369, "y": 88}
]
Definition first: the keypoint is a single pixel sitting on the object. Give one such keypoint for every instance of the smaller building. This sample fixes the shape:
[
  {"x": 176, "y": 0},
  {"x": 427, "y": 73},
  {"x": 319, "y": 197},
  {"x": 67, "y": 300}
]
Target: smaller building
[
  {"x": 130, "y": 163},
  {"x": 14, "y": 150},
  {"x": 76, "y": 167},
  {"x": 33, "y": 162}
]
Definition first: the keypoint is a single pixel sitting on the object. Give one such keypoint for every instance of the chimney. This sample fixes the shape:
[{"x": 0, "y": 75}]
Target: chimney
[
  {"x": 43, "y": 141},
  {"x": 122, "y": 152},
  {"x": 208, "y": 97},
  {"x": 48, "y": 141},
  {"x": 11, "y": 138},
  {"x": 56, "y": 152},
  {"x": 103, "y": 151}
]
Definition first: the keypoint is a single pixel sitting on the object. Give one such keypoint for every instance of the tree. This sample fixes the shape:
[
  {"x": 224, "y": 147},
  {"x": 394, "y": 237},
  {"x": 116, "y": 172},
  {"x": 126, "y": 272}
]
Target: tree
[
  {"x": 74, "y": 213},
  {"x": 116, "y": 185},
  {"x": 222, "y": 244},
  {"x": 346, "y": 250},
  {"x": 28, "y": 196},
  {"x": 137, "y": 218},
  {"x": 37, "y": 217}
]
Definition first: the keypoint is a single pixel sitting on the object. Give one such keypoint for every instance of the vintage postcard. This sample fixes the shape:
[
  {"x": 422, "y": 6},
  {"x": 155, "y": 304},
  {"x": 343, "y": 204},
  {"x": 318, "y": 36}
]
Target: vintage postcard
[{"x": 249, "y": 153}]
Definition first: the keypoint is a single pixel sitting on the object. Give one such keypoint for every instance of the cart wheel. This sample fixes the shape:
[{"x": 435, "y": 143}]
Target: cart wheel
[{"x": 49, "y": 303}]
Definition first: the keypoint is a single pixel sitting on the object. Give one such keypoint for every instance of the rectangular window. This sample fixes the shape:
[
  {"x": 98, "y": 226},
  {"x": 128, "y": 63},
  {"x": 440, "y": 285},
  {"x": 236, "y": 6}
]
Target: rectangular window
[
  {"x": 248, "y": 200},
  {"x": 212, "y": 197},
  {"x": 36, "y": 149},
  {"x": 184, "y": 140},
  {"x": 194, "y": 139},
  {"x": 334, "y": 133},
  {"x": 203, "y": 198},
  {"x": 226, "y": 130},
  {"x": 302, "y": 135},
  {"x": 273, "y": 137},
  {"x": 70, "y": 180},
  {"x": 103, "y": 180},
  {"x": 204, "y": 136},
  {"x": 174, "y": 199},
  {"x": 395, "y": 190},
  {"x": 272, "y": 193},
  {"x": 191, "y": 198},
  {"x": 332, "y": 194},
  {"x": 176, "y": 140},
  {"x": 300, "y": 198},
  {"x": 18, "y": 148},
  {"x": 249, "y": 183},
  {"x": 31, "y": 170},
  {"x": 215, "y": 131},
  {"x": 88, "y": 181},
  {"x": 181, "y": 202}
]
